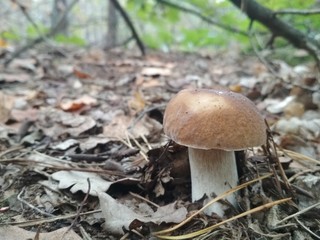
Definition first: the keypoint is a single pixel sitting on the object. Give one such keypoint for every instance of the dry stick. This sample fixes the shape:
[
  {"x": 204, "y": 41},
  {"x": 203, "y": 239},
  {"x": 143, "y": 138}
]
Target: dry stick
[
  {"x": 144, "y": 112},
  {"x": 26, "y": 14},
  {"x": 27, "y": 163},
  {"x": 261, "y": 58},
  {"x": 79, "y": 210},
  {"x": 205, "y": 230},
  {"x": 202, "y": 17},
  {"x": 144, "y": 199},
  {"x": 85, "y": 235},
  {"x": 282, "y": 173},
  {"x": 307, "y": 229},
  {"x": 47, "y": 220},
  {"x": 31, "y": 206},
  {"x": 40, "y": 39},
  {"x": 221, "y": 196},
  {"x": 129, "y": 23},
  {"x": 10, "y": 150},
  {"x": 265, "y": 16},
  {"x": 297, "y": 156},
  {"x": 291, "y": 179}
]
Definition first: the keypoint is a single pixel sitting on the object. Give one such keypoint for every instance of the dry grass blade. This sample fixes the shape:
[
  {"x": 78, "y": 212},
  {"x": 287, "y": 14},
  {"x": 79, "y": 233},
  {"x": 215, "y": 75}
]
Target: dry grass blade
[
  {"x": 298, "y": 156},
  {"x": 211, "y": 202},
  {"x": 208, "y": 229}
]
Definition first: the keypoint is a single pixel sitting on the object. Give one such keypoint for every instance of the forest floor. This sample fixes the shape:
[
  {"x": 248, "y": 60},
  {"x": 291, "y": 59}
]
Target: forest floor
[{"x": 83, "y": 154}]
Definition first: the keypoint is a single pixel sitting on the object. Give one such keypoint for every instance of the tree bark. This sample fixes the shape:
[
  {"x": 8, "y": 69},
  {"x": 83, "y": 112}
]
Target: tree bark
[
  {"x": 129, "y": 23},
  {"x": 278, "y": 27},
  {"x": 58, "y": 8},
  {"x": 112, "y": 26}
]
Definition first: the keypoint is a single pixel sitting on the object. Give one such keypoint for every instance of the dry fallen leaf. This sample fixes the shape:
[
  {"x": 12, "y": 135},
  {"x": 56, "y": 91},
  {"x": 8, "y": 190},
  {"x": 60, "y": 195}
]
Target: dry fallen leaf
[
  {"x": 16, "y": 233},
  {"x": 80, "y": 74},
  {"x": 66, "y": 144},
  {"x": 78, "y": 182},
  {"x": 6, "y": 105},
  {"x": 118, "y": 128},
  {"x": 118, "y": 215},
  {"x": 18, "y": 77},
  {"x": 26, "y": 64},
  {"x": 155, "y": 71},
  {"x": 30, "y": 114},
  {"x": 75, "y": 105},
  {"x": 137, "y": 103},
  {"x": 55, "y": 123}
]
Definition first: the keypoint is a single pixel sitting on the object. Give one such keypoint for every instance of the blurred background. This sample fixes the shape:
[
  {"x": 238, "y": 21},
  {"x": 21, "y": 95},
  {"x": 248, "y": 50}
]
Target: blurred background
[{"x": 166, "y": 25}]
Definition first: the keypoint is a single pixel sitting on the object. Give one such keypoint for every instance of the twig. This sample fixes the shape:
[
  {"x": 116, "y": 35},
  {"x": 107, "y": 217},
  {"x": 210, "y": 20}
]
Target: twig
[
  {"x": 221, "y": 196},
  {"x": 201, "y": 16},
  {"x": 307, "y": 229},
  {"x": 208, "y": 229},
  {"x": 26, "y": 162},
  {"x": 299, "y": 213},
  {"x": 273, "y": 146},
  {"x": 144, "y": 112},
  {"x": 144, "y": 199},
  {"x": 260, "y": 57},
  {"x": 129, "y": 23},
  {"x": 292, "y": 178},
  {"x": 10, "y": 150},
  {"x": 41, "y": 38},
  {"x": 84, "y": 233},
  {"x": 31, "y": 206},
  {"x": 142, "y": 151},
  {"x": 257, "y": 12},
  {"x": 80, "y": 209},
  {"x": 47, "y": 220},
  {"x": 26, "y": 14},
  {"x": 297, "y": 12}
]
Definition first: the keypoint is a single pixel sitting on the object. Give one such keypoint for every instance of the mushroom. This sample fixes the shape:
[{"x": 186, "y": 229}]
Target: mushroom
[{"x": 213, "y": 123}]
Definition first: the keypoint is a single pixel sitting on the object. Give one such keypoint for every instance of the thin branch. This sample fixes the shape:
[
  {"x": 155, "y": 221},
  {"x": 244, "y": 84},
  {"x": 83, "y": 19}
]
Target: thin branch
[
  {"x": 260, "y": 57},
  {"x": 129, "y": 23},
  {"x": 257, "y": 12},
  {"x": 203, "y": 17},
  {"x": 41, "y": 38},
  {"x": 80, "y": 208},
  {"x": 26, "y": 14},
  {"x": 297, "y": 12},
  {"x": 307, "y": 229},
  {"x": 31, "y": 206}
]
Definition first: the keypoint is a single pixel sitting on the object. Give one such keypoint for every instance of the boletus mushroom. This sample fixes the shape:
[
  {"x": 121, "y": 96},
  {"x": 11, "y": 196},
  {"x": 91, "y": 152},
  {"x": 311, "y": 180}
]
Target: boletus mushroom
[{"x": 213, "y": 123}]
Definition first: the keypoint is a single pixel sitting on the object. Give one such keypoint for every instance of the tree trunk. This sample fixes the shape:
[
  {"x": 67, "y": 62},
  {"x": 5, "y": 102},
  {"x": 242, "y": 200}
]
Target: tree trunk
[
  {"x": 58, "y": 8},
  {"x": 112, "y": 26}
]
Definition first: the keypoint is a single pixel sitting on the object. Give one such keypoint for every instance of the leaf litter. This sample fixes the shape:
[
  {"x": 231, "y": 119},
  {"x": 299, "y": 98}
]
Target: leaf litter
[{"x": 97, "y": 117}]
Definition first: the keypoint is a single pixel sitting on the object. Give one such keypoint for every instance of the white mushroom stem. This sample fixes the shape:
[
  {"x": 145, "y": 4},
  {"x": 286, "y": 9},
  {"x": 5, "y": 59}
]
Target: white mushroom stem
[{"x": 212, "y": 171}]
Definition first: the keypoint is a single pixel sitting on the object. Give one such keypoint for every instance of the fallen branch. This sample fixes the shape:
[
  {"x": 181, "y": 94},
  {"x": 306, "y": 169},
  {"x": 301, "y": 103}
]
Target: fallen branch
[{"x": 278, "y": 27}]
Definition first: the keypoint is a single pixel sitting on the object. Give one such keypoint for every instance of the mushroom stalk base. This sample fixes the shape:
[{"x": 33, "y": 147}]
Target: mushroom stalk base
[{"x": 212, "y": 171}]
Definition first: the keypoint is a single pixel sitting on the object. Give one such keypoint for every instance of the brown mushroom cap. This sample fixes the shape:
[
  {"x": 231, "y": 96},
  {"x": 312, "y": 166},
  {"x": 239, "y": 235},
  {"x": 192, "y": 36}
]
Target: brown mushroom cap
[{"x": 214, "y": 119}]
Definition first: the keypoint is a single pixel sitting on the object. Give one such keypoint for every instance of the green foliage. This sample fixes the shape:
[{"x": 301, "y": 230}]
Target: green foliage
[
  {"x": 166, "y": 26},
  {"x": 287, "y": 4},
  {"x": 33, "y": 32},
  {"x": 200, "y": 37},
  {"x": 73, "y": 40},
  {"x": 11, "y": 35},
  {"x": 161, "y": 25}
]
